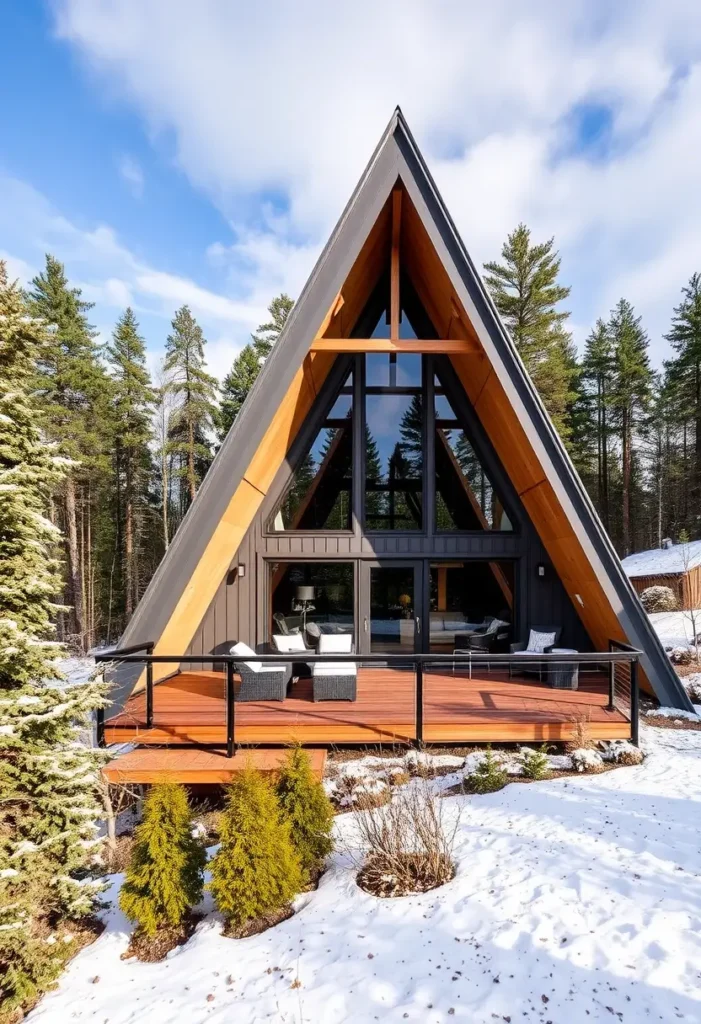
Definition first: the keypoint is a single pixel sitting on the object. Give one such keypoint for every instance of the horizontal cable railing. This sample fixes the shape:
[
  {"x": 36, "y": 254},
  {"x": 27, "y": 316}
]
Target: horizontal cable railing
[{"x": 620, "y": 663}]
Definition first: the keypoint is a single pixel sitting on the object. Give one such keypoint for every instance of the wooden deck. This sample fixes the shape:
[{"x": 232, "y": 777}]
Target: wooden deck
[
  {"x": 190, "y": 708},
  {"x": 196, "y": 767}
]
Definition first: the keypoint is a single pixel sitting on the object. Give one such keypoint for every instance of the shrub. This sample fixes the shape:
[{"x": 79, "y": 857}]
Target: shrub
[
  {"x": 304, "y": 802},
  {"x": 581, "y": 737},
  {"x": 256, "y": 870},
  {"x": 693, "y": 687},
  {"x": 408, "y": 847},
  {"x": 659, "y": 599},
  {"x": 165, "y": 876},
  {"x": 682, "y": 655},
  {"x": 534, "y": 763},
  {"x": 489, "y": 775},
  {"x": 622, "y": 752}
]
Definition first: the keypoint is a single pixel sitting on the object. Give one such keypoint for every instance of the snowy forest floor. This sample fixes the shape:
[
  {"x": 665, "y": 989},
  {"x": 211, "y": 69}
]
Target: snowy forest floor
[{"x": 576, "y": 899}]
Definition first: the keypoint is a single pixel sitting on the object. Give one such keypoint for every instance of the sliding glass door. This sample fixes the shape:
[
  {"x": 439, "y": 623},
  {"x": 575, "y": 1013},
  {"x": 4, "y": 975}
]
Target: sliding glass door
[{"x": 391, "y": 603}]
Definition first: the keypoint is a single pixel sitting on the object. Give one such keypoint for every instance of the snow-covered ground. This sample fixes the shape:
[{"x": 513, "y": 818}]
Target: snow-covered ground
[
  {"x": 676, "y": 629},
  {"x": 575, "y": 900}
]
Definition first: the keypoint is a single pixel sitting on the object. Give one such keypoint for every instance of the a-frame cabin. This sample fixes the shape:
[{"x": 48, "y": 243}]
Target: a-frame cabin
[{"x": 393, "y": 477}]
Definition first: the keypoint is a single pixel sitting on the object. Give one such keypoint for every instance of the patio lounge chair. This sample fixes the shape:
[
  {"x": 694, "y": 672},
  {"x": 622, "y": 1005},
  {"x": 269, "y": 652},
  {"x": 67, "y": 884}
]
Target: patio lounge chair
[
  {"x": 336, "y": 680},
  {"x": 259, "y": 681},
  {"x": 541, "y": 640}
]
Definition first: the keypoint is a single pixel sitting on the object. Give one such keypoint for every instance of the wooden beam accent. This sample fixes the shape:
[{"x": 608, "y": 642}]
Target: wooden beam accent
[
  {"x": 334, "y": 310},
  {"x": 436, "y": 346},
  {"x": 193, "y": 767},
  {"x": 394, "y": 297}
]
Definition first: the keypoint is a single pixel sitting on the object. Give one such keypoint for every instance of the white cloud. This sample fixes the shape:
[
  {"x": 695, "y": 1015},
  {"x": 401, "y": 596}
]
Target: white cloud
[
  {"x": 130, "y": 170},
  {"x": 292, "y": 98}
]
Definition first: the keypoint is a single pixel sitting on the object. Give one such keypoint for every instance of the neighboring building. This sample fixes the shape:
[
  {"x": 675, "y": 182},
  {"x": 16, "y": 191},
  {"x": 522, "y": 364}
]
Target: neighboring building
[
  {"x": 393, "y": 482},
  {"x": 677, "y": 566}
]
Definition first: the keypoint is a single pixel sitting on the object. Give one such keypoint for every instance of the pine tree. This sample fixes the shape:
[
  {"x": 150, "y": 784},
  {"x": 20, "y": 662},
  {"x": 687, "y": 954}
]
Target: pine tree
[
  {"x": 534, "y": 763},
  {"x": 247, "y": 364},
  {"x": 526, "y": 293},
  {"x": 630, "y": 398},
  {"x": 196, "y": 390},
  {"x": 685, "y": 373},
  {"x": 48, "y": 781},
  {"x": 133, "y": 399},
  {"x": 307, "y": 808},
  {"x": 256, "y": 870},
  {"x": 489, "y": 775},
  {"x": 165, "y": 877},
  {"x": 598, "y": 383},
  {"x": 76, "y": 403}
]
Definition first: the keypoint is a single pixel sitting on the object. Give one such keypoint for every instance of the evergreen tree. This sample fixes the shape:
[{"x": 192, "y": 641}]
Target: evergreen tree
[
  {"x": 48, "y": 797},
  {"x": 526, "y": 293},
  {"x": 76, "y": 402},
  {"x": 489, "y": 776},
  {"x": 196, "y": 391},
  {"x": 236, "y": 386},
  {"x": 307, "y": 808},
  {"x": 685, "y": 375},
  {"x": 256, "y": 870},
  {"x": 247, "y": 364},
  {"x": 133, "y": 399},
  {"x": 597, "y": 387},
  {"x": 630, "y": 398},
  {"x": 166, "y": 875}
]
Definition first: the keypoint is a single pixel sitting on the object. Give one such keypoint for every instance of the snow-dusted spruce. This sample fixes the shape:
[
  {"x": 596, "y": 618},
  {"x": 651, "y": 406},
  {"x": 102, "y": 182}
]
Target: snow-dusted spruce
[{"x": 48, "y": 802}]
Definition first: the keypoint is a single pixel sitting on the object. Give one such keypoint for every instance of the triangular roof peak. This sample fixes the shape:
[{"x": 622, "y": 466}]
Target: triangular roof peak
[{"x": 396, "y": 211}]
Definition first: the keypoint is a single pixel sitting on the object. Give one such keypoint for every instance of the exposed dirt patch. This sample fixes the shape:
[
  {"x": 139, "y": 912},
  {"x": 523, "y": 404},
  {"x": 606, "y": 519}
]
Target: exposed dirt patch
[
  {"x": 152, "y": 949},
  {"x": 260, "y": 924},
  {"x": 117, "y": 860},
  {"x": 660, "y": 722},
  {"x": 404, "y": 876}
]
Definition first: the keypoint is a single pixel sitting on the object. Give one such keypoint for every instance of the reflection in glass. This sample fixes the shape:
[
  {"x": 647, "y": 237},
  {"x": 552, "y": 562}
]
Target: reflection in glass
[
  {"x": 466, "y": 597},
  {"x": 319, "y": 495},
  {"x": 393, "y": 462},
  {"x": 391, "y": 609},
  {"x": 329, "y": 610},
  {"x": 465, "y": 497}
]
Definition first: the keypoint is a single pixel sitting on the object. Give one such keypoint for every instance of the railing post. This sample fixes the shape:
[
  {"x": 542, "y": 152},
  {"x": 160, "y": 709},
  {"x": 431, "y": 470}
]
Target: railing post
[
  {"x": 419, "y": 702},
  {"x": 612, "y": 686},
  {"x": 634, "y": 704},
  {"x": 230, "y": 710},
  {"x": 100, "y": 727},
  {"x": 149, "y": 695}
]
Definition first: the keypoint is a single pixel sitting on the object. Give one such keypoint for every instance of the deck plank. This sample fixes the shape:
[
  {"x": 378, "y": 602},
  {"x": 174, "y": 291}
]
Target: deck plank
[
  {"x": 191, "y": 708},
  {"x": 183, "y": 764}
]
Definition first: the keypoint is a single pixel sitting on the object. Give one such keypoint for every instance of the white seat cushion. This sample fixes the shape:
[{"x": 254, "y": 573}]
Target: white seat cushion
[
  {"x": 244, "y": 650},
  {"x": 537, "y": 642},
  {"x": 289, "y": 644},
  {"x": 335, "y": 643},
  {"x": 335, "y": 668}
]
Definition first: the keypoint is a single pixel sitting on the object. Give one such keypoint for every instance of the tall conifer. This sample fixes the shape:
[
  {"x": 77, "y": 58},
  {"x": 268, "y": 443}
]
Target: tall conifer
[
  {"x": 48, "y": 798},
  {"x": 196, "y": 391},
  {"x": 526, "y": 292},
  {"x": 684, "y": 372}
]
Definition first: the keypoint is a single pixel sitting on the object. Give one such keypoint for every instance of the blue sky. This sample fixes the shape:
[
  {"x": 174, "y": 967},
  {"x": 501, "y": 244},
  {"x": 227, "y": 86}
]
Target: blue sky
[{"x": 173, "y": 152}]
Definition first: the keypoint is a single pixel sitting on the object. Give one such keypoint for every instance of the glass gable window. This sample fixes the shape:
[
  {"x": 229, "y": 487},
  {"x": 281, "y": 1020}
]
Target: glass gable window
[
  {"x": 319, "y": 495},
  {"x": 394, "y": 433},
  {"x": 465, "y": 497}
]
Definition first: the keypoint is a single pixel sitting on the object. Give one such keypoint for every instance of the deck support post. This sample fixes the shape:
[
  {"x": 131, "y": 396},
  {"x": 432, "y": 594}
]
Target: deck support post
[
  {"x": 100, "y": 722},
  {"x": 612, "y": 686},
  {"x": 149, "y": 695},
  {"x": 634, "y": 704},
  {"x": 230, "y": 710},
  {"x": 419, "y": 665}
]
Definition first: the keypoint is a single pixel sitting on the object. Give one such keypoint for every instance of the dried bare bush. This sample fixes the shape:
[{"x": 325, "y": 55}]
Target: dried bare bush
[
  {"x": 581, "y": 736},
  {"x": 408, "y": 844}
]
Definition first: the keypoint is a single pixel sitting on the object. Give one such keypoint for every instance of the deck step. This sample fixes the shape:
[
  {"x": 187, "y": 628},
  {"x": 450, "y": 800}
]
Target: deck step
[{"x": 197, "y": 766}]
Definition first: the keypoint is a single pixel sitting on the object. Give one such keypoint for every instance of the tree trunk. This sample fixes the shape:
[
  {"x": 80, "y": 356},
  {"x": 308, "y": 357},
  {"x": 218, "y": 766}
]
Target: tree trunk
[
  {"x": 128, "y": 546},
  {"x": 605, "y": 460},
  {"x": 697, "y": 439},
  {"x": 74, "y": 561},
  {"x": 627, "y": 466},
  {"x": 164, "y": 484},
  {"x": 191, "y": 461}
]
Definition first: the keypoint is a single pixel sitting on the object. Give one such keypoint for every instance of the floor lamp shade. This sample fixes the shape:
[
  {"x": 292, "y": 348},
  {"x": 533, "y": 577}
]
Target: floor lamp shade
[{"x": 304, "y": 593}]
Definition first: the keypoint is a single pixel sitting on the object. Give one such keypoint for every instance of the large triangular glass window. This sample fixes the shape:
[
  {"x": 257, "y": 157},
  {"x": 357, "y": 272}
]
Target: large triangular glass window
[
  {"x": 319, "y": 495},
  {"x": 465, "y": 495}
]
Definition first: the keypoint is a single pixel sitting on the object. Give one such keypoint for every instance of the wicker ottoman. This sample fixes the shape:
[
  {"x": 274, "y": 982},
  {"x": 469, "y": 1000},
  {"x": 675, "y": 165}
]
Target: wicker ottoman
[
  {"x": 563, "y": 675},
  {"x": 335, "y": 680}
]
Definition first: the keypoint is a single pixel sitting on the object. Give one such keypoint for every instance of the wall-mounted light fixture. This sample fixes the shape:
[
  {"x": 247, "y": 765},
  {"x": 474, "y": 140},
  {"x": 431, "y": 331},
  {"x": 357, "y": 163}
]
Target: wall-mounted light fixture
[
  {"x": 242, "y": 570},
  {"x": 540, "y": 570}
]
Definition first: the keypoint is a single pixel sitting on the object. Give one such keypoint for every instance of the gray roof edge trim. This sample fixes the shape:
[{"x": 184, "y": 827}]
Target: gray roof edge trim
[
  {"x": 231, "y": 461},
  {"x": 636, "y": 623}
]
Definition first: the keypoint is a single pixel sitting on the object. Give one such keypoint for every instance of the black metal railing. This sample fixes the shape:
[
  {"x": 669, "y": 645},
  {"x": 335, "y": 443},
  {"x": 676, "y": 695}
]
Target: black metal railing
[{"x": 621, "y": 659}]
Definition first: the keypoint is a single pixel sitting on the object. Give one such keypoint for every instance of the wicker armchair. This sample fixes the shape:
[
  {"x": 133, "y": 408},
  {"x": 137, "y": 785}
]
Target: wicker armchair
[
  {"x": 259, "y": 681},
  {"x": 529, "y": 665}
]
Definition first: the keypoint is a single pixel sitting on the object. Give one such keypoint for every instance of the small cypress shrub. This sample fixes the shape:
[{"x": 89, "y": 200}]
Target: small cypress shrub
[
  {"x": 307, "y": 808},
  {"x": 488, "y": 776},
  {"x": 256, "y": 870},
  {"x": 166, "y": 874},
  {"x": 534, "y": 763}
]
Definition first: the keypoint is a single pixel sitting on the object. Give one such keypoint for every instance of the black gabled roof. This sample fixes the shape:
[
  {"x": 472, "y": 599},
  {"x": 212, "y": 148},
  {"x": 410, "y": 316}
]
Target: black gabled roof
[{"x": 396, "y": 155}]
